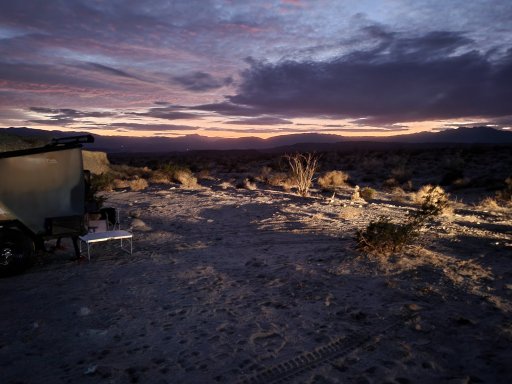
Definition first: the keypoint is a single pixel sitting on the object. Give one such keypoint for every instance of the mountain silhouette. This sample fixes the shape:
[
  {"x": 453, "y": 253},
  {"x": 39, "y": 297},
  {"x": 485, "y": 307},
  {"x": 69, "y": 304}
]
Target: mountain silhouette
[{"x": 306, "y": 141}]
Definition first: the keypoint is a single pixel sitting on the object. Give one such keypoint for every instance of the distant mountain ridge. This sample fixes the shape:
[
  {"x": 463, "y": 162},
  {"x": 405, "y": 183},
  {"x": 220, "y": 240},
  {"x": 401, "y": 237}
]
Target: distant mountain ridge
[{"x": 309, "y": 141}]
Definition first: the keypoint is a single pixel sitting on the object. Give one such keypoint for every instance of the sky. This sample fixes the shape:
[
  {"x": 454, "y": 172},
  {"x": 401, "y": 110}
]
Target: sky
[{"x": 255, "y": 68}]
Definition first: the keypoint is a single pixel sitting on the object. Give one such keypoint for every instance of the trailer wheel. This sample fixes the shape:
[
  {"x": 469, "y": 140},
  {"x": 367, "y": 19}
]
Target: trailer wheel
[{"x": 16, "y": 252}]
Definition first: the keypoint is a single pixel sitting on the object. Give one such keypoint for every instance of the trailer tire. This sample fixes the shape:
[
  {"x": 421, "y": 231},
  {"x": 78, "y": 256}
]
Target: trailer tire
[{"x": 16, "y": 252}]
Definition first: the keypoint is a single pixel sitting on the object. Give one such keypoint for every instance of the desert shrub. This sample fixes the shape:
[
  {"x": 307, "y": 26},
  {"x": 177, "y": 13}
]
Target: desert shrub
[
  {"x": 489, "y": 204},
  {"x": 102, "y": 182},
  {"x": 384, "y": 237},
  {"x": 350, "y": 213},
  {"x": 332, "y": 180},
  {"x": 180, "y": 174},
  {"x": 159, "y": 177},
  {"x": 401, "y": 174},
  {"x": 138, "y": 184},
  {"x": 123, "y": 171},
  {"x": 390, "y": 183},
  {"x": 246, "y": 184},
  {"x": 367, "y": 193},
  {"x": 204, "y": 174},
  {"x": 281, "y": 179},
  {"x": 185, "y": 178},
  {"x": 303, "y": 168},
  {"x": 506, "y": 193},
  {"x": 226, "y": 185},
  {"x": 120, "y": 184},
  {"x": 432, "y": 199},
  {"x": 265, "y": 174}
]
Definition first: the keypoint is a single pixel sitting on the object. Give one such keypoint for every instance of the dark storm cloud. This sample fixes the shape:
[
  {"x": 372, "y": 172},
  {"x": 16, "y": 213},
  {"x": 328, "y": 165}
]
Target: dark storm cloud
[
  {"x": 433, "y": 76},
  {"x": 263, "y": 120},
  {"x": 201, "y": 81}
]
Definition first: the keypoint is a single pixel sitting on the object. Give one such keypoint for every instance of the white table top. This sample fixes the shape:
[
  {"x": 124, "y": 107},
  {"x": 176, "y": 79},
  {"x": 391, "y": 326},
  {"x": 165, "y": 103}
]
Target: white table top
[{"x": 103, "y": 236}]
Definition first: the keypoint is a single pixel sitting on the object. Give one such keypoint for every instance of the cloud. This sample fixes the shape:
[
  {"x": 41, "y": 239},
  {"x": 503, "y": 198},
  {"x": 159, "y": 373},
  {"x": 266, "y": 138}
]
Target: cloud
[
  {"x": 433, "y": 76},
  {"x": 201, "y": 81},
  {"x": 107, "y": 70},
  {"x": 151, "y": 127},
  {"x": 263, "y": 120},
  {"x": 66, "y": 116},
  {"x": 168, "y": 112}
]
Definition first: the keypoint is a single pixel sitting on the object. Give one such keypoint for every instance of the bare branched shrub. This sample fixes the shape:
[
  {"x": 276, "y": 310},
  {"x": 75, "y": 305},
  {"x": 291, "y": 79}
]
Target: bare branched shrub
[
  {"x": 384, "y": 237},
  {"x": 332, "y": 180},
  {"x": 303, "y": 168},
  {"x": 138, "y": 184}
]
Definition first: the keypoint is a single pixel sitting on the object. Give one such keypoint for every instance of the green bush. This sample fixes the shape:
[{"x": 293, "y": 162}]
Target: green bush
[{"x": 383, "y": 237}]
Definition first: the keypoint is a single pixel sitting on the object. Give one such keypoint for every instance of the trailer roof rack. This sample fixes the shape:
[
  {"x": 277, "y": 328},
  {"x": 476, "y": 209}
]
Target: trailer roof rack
[{"x": 58, "y": 144}]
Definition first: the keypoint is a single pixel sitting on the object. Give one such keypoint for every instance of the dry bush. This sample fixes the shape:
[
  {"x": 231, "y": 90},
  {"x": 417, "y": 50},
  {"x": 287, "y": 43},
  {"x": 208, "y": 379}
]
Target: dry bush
[
  {"x": 506, "y": 194},
  {"x": 489, "y": 204},
  {"x": 367, "y": 193},
  {"x": 384, "y": 237},
  {"x": 398, "y": 194},
  {"x": 332, "y": 180},
  {"x": 128, "y": 172},
  {"x": 433, "y": 197},
  {"x": 265, "y": 174},
  {"x": 401, "y": 174},
  {"x": 102, "y": 182},
  {"x": 159, "y": 177},
  {"x": 185, "y": 178},
  {"x": 303, "y": 168},
  {"x": 226, "y": 185},
  {"x": 350, "y": 213},
  {"x": 138, "y": 184},
  {"x": 204, "y": 174},
  {"x": 246, "y": 184},
  {"x": 120, "y": 184},
  {"x": 281, "y": 179}
]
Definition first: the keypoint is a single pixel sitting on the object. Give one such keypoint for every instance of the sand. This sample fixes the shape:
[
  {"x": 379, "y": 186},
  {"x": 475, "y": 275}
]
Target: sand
[{"x": 263, "y": 286}]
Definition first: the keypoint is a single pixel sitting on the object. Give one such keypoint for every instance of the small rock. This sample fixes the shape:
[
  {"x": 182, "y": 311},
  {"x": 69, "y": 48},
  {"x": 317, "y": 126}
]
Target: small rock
[
  {"x": 91, "y": 370},
  {"x": 84, "y": 311},
  {"x": 413, "y": 307}
]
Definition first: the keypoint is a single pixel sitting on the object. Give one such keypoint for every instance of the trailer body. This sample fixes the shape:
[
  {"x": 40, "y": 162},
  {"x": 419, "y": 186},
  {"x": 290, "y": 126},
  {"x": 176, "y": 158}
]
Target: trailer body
[{"x": 42, "y": 193}]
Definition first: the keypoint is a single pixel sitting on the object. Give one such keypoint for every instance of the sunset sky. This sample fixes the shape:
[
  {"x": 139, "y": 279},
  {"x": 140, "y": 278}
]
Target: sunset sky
[{"x": 255, "y": 68}]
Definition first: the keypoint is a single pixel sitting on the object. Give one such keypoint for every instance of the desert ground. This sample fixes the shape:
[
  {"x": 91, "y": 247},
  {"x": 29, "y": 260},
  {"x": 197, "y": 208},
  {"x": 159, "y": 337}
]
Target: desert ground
[{"x": 260, "y": 285}]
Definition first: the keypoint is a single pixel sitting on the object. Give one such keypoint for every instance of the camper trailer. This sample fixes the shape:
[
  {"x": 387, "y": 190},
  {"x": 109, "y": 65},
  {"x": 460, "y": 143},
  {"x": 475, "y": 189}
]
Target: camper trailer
[{"x": 42, "y": 196}]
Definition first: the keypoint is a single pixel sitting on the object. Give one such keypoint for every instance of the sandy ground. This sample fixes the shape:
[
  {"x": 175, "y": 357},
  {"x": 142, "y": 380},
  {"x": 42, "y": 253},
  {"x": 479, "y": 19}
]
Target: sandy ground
[{"x": 259, "y": 286}]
